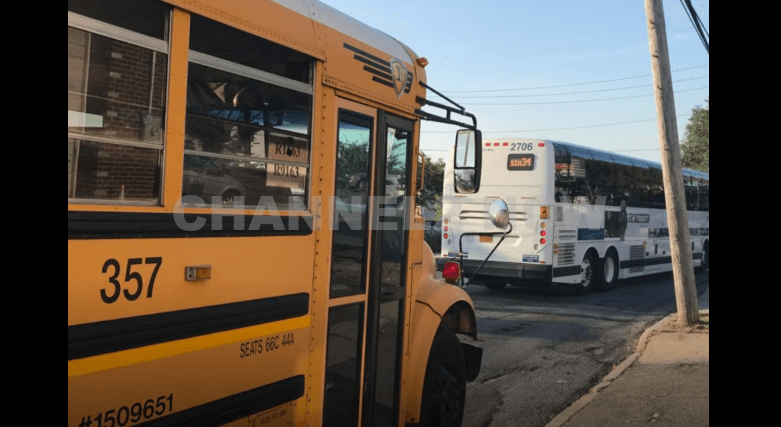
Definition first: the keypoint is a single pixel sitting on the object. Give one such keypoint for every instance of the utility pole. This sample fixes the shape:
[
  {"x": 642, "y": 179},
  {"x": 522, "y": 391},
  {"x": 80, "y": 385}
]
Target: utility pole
[{"x": 675, "y": 198}]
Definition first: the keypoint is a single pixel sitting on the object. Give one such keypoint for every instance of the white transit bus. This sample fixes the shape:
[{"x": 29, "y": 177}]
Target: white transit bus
[{"x": 580, "y": 216}]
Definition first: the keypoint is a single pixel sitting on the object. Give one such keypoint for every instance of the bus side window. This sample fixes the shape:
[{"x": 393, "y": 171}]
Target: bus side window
[
  {"x": 624, "y": 184},
  {"x": 657, "y": 188},
  {"x": 691, "y": 191},
  {"x": 704, "y": 195},
  {"x": 117, "y": 64},
  {"x": 561, "y": 173},
  {"x": 253, "y": 128}
]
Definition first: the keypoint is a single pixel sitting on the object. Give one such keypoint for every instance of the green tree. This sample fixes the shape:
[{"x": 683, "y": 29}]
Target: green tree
[
  {"x": 695, "y": 149},
  {"x": 432, "y": 186}
]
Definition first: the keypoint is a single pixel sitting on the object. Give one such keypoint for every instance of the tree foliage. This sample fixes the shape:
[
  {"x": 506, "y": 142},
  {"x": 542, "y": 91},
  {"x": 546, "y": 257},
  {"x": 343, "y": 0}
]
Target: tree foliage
[
  {"x": 432, "y": 186},
  {"x": 695, "y": 149}
]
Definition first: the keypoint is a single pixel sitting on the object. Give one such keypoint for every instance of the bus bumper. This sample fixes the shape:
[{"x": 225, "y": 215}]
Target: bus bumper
[{"x": 510, "y": 271}]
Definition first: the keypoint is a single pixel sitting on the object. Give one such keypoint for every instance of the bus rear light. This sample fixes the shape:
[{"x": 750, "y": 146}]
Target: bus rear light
[
  {"x": 496, "y": 144},
  {"x": 446, "y": 235},
  {"x": 487, "y": 144},
  {"x": 543, "y": 233},
  {"x": 543, "y": 241},
  {"x": 446, "y": 220},
  {"x": 542, "y": 144},
  {"x": 446, "y": 228},
  {"x": 505, "y": 144},
  {"x": 451, "y": 272},
  {"x": 422, "y": 62}
]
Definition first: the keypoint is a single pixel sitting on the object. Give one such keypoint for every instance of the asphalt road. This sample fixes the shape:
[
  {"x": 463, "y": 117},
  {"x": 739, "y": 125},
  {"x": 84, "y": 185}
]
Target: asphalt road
[{"x": 544, "y": 349}]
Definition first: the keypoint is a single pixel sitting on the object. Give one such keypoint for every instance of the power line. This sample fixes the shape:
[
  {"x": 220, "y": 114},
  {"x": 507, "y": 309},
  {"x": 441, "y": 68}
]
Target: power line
[
  {"x": 696, "y": 22},
  {"x": 582, "y": 100},
  {"x": 569, "y": 128},
  {"x": 574, "y": 93},
  {"x": 569, "y": 85}
]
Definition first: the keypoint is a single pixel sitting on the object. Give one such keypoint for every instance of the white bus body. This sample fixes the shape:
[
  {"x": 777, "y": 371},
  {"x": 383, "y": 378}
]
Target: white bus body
[{"x": 579, "y": 216}]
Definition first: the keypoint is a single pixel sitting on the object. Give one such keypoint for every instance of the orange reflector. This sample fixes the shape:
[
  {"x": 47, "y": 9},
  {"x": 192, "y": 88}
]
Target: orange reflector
[
  {"x": 544, "y": 212},
  {"x": 201, "y": 272},
  {"x": 451, "y": 271}
]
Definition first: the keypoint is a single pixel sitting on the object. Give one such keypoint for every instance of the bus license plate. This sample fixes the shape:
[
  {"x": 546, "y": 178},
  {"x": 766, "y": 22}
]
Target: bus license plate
[
  {"x": 486, "y": 239},
  {"x": 531, "y": 258}
]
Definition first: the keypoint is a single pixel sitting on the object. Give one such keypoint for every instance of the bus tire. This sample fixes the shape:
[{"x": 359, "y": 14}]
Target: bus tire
[
  {"x": 444, "y": 387},
  {"x": 607, "y": 272},
  {"x": 495, "y": 285},
  {"x": 588, "y": 274}
]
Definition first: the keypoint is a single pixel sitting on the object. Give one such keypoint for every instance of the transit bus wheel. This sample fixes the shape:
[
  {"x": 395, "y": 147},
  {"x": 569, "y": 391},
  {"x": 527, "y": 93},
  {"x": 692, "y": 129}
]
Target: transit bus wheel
[
  {"x": 444, "y": 387},
  {"x": 588, "y": 274},
  {"x": 607, "y": 277}
]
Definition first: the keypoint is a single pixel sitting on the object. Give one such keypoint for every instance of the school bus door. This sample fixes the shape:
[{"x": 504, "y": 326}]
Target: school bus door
[{"x": 368, "y": 275}]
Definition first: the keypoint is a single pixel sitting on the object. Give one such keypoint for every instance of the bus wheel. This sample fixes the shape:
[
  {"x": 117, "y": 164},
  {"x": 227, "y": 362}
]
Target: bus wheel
[
  {"x": 588, "y": 270},
  {"x": 608, "y": 272},
  {"x": 444, "y": 387},
  {"x": 495, "y": 285}
]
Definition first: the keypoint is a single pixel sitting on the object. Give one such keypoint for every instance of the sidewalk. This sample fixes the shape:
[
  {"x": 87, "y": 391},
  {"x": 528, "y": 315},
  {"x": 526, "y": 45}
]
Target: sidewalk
[{"x": 666, "y": 382}]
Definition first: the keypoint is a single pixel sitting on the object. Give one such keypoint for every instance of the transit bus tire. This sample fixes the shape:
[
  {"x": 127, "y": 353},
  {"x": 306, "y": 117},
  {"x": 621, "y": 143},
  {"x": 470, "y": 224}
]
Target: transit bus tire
[
  {"x": 607, "y": 272},
  {"x": 588, "y": 274},
  {"x": 444, "y": 387},
  {"x": 495, "y": 285}
]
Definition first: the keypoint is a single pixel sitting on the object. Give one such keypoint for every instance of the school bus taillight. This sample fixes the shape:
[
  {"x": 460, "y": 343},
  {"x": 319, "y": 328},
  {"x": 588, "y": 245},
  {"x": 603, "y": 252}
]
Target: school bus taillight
[{"x": 451, "y": 272}]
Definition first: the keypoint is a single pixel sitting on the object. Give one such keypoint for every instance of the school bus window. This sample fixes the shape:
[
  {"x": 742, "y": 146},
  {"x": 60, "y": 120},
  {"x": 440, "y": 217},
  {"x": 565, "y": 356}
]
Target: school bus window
[
  {"x": 220, "y": 41},
  {"x": 353, "y": 163},
  {"x": 342, "y": 366},
  {"x": 116, "y": 105},
  {"x": 253, "y": 125},
  {"x": 147, "y": 17}
]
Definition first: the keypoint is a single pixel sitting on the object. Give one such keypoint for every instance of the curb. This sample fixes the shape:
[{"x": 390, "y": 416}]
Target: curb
[
  {"x": 642, "y": 343},
  {"x": 581, "y": 403}
]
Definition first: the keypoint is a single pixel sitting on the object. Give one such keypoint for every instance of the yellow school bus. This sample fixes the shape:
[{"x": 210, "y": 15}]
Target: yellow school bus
[{"x": 243, "y": 247}]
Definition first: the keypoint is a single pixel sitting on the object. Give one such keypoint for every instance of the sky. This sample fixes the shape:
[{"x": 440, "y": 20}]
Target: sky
[{"x": 564, "y": 70}]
